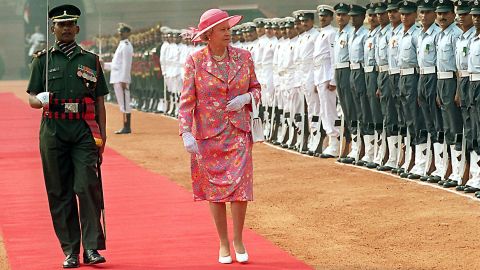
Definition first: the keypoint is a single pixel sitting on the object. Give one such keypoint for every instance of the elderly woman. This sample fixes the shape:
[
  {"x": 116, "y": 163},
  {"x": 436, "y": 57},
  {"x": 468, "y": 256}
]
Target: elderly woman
[{"x": 214, "y": 121}]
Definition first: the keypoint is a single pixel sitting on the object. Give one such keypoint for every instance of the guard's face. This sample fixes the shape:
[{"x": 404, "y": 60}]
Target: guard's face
[
  {"x": 373, "y": 20},
  {"x": 342, "y": 19},
  {"x": 220, "y": 34},
  {"x": 444, "y": 19},
  {"x": 270, "y": 32},
  {"x": 427, "y": 17},
  {"x": 65, "y": 31},
  {"x": 291, "y": 32},
  {"x": 383, "y": 18},
  {"x": 307, "y": 24},
  {"x": 325, "y": 20},
  {"x": 465, "y": 20},
  {"x": 476, "y": 21},
  {"x": 299, "y": 27},
  {"x": 357, "y": 20},
  {"x": 260, "y": 31},
  {"x": 394, "y": 16},
  {"x": 408, "y": 19}
]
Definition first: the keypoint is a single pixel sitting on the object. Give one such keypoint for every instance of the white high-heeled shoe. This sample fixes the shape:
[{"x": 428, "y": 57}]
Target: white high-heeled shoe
[
  {"x": 224, "y": 260},
  {"x": 241, "y": 257}
]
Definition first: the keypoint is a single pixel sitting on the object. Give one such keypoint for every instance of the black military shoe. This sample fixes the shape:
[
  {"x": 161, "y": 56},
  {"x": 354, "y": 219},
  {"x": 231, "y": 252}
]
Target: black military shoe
[
  {"x": 123, "y": 131},
  {"x": 385, "y": 168},
  {"x": 434, "y": 179},
  {"x": 477, "y": 194},
  {"x": 91, "y": 256},
  {"x": 450, "y": 183},
  {"x": 71, "y": 261},
  {"x": 404, "y": 175},
  {"x": 360, "y": 163},
  {"x": 371, "y": 165},
  {"x": 347, "y": 160},
  {"x": 424, "y": 178},
  {"x": 442, "y": 182},
  {"x": 469, "y": 189},
  {"x": 414, "y": 176}
]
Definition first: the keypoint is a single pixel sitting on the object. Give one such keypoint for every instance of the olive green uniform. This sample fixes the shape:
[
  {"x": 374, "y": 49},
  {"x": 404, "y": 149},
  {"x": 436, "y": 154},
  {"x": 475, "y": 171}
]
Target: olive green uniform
[{"x": 68, "y": 151}]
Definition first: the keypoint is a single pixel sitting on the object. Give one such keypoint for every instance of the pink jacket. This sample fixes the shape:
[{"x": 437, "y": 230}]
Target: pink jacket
[{"x": 205, "y": 93}]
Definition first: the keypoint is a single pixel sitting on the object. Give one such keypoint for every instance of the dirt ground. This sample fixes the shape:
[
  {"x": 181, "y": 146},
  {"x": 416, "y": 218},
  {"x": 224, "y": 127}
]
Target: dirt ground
[{"x": 331, "y": 216}]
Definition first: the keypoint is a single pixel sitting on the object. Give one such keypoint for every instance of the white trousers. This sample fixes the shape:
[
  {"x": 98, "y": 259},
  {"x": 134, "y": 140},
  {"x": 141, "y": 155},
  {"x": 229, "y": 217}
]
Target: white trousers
[
  {"x": 328, "y": 109},
  {"x": 123, "y": 97},
  {"x": 313, "y": 104}
]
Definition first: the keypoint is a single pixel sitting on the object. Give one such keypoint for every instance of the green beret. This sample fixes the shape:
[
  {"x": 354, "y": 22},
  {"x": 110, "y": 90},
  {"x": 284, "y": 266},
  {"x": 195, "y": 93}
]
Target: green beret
[{"x": 341, "y": 8}]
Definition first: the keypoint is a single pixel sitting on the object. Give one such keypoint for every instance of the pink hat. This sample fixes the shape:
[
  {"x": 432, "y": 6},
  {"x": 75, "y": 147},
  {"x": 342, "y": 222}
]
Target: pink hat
[{"x": 213, "y": 17}]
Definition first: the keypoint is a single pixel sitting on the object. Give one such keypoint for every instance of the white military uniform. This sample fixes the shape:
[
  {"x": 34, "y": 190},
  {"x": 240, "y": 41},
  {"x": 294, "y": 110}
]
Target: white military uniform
[
  {"x": 324, "y": 75},
  {"x": 121, "y": 67}
]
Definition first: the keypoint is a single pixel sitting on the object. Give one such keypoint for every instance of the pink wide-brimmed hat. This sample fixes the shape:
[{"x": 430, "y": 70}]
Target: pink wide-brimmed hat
[{"x": 213, "y": 17}]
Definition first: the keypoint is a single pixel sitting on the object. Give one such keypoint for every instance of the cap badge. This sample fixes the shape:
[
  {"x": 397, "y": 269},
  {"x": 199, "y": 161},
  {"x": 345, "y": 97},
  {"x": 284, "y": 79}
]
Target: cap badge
[
  {"x": 341, "y": 5},
  {"x": 459, "y": 3},
  {"x": 405, "y": 3},
  {"x": 440, "y": 1},
  {"x": 475, "y": 3},
  {"x": 426, "y": 1}
]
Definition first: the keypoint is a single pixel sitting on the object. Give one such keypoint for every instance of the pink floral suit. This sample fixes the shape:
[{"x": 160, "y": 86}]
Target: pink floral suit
[{"x": 223, "y": 171}]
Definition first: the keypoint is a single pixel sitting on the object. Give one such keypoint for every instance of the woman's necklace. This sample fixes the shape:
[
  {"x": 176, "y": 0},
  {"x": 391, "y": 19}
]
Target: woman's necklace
[{"x": 220, "y": 58}]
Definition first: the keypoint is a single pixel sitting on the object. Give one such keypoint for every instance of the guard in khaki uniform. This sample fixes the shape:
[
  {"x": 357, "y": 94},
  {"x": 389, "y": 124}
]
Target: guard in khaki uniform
[
  {"x": 72, "y": 137},
  {"x": 447, "y": 87},
  {"x": 120, "y": 75}
]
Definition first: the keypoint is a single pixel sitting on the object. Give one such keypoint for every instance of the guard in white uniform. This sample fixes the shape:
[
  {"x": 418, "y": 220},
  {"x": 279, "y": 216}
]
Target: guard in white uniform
[
  {"x": 323, "y": 56},
  {"x": 120, "y": 76}
]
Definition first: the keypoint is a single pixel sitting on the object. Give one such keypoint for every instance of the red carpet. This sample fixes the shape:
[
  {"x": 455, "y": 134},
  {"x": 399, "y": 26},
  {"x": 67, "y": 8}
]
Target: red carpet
[{"x": 152, "y": 223}]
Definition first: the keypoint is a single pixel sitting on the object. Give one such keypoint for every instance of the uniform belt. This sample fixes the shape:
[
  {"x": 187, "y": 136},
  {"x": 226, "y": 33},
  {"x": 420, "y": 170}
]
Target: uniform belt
[
  {"x": 342, "y": 65},
  {"x": 355, "y": 66},
  {"x": 394, "y": 71},
  {"x": 383, "y": 68},
  {"x": 463, "y": 73},
  {"x": 407, "y": 71},
  {"x": 65, "y": 109},
  {"x": 474, "y": 77},
  {"x": 369, "y": 69},
  {"x": 445, "y": 75},
  {"x": 428, "y": 70}
]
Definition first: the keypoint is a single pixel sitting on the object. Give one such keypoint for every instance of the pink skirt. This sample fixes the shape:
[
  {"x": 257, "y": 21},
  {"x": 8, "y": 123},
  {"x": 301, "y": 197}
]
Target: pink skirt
[{"x": 223, "y": 172}]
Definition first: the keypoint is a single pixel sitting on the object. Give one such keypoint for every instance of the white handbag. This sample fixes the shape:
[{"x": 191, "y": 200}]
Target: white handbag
[{"x": 256, "y": 123}]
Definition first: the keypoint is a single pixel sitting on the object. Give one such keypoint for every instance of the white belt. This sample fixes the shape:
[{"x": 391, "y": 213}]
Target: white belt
[
  {"x": 354, "y": 66},
  {"x": 427, "y": 70},
  {"x": 383, "y": 68},
  {"x": 407, "y": 71},
  {"x": 369, "y": 69},
  {"x": 463, "y": 73},
  {"x": 475, "y": 77},
  {"x": 394, "y": 71},
  {"x": 445, "y": 75},
  {"x": 342, "y": 65}
]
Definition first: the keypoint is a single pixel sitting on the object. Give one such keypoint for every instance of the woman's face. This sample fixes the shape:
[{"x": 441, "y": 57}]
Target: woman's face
[{"x": 220, "y": 35}]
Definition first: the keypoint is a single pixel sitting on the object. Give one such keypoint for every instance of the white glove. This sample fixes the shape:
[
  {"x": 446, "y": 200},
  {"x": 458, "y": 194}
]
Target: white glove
[
  {"x": 238, "y": 102},
  {"x": 44, "y": 97},
  {"x": 190, "y": 143}
]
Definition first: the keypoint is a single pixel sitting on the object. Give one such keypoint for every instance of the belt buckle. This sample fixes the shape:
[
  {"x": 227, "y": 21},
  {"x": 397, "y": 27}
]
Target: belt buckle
[{"x": 71, "y": 107}]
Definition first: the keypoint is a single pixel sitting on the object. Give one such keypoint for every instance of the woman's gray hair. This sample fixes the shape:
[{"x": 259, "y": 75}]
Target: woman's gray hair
[{"x": 204, "y": 36}]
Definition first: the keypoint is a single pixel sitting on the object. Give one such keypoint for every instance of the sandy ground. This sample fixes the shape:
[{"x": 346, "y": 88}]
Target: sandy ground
[{"x": 329, "y": 215}]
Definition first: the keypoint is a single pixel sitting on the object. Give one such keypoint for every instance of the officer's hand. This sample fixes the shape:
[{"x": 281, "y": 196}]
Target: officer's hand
[
  {"x": 44, "y": 98},
  {"x": 190, "y": 143},
  {"x": 439, "y": 102},
  {"x": 331, "y": 87},
  {"x": 124, "y": 86},
  {"x": 457, "y": 99},
  {"x": 238, "y": 102},
  {"x": 378, "y": 93}
]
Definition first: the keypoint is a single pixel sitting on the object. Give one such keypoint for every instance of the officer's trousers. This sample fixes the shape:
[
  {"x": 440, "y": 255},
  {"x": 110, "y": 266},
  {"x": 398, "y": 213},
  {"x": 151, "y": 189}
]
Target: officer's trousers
[
  {"x": 313, "y": 104},
  {"x": 69, "y": 159},
  {"x": 346, "y": 98},
  {"x": 475, "y": 114},
  {"x": 371, "y": 81},
  {"x": 123, "y": 97},
  {"x": 328, "y": 108},
  {"x": 427, "y": 94},
  {"x": 452, "y": 116},
  {"x": 387, "y": 102},
  {"x": 362, "y": 105},
  {"x": 414, "y": 121},
  {"x": 395, "y": 83},
  {"x": 466, "y": 107}
]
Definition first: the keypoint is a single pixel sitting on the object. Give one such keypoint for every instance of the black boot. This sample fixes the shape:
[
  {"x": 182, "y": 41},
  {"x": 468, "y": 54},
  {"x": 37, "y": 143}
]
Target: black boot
[{"x": 126, "y": 125}]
